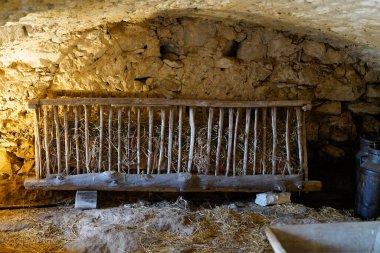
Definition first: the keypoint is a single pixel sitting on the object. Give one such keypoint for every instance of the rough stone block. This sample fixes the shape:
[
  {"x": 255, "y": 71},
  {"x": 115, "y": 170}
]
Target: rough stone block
[
  {"x": 333, "y": 151},
  {"x": 272, "y": 198},
  {"x": 329, "y": 108},
  {"x": 249, "y": 51},
  {"x": 314, "y": 49},
  {"x": 373, "y": 91},
  {"x": 362, "y": 107},
  {"x": 224, "y": 63}
]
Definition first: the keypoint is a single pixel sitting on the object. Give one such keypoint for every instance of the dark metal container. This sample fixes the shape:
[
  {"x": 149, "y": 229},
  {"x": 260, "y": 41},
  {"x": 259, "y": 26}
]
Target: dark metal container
[
  {"x": 367, "y": 200},
  {"x": 366, "y": 140}
]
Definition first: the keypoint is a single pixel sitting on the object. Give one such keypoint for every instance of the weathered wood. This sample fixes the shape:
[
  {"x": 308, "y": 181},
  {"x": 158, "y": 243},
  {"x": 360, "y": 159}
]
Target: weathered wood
[
  {"x": 246, "y": 138},
  {"x": 229, "y": 144},
  {"x": 101, "y": 127},
  {"x": 57, "y": 138},
  {"x": 219, "y": 144},
  {"x": 255, "y": 137},
  {"x": 67, "y": 144},
  {"x": 299, "y": 138},
  {"x": 235, "y": 142},
  {"x": 150, "y": 137},
  {"x": 128, "y": 140},
  {"x": 208, "y": 144},
  {"x": 86, "y": 200},
  {"x": 170, "y": 140},
  {"x": 179, "y": 139},
  {"x": 46, "y": 139},
  {"x": 192, "y": 139},
  {"x": 76, "y": 137},
  {"x": 175, "y": 182},
  {"x": 274, "y": 140},
  {"x": 37, "y": 143},
  {"x": 264, "y": 148},
  {"x": 287, "y": 140},
  {"x": 304, "y": 147},
  {"x": 110, "y": 139},
  {"x": 160, "y": 102},
  {"x": 119, "y": 114},
  {"x": 138, "y": 141},
  {"x": 86, "y": 139},
  {"x": 162, "y": 139}
]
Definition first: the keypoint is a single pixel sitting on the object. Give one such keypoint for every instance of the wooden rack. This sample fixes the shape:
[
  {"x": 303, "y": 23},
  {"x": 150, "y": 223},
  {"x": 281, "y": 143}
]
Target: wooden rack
[{"x": 135, "y": 144}]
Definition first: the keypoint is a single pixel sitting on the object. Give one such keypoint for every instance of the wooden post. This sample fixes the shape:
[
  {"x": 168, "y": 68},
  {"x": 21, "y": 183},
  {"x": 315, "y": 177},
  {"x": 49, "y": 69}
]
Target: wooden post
[
  {"x": 304, "y": 147},
  {"x": 235, "y": 142},
  {"x": 274, "y": 133},
  {"x": 67, "y": 144},
  {"x": 162, "y": 138},
  {"x": 86, "y": 139},
  {"x": 110, "y": 139},
  {"x": 37, "y": 143},
  {"x": 179, "y": 139},
  {"x": 255, "y": 138},
  {"x": 46, "y": 140},
  {"x": 128, "y": 145},
  {"x": 58, "y": 138},
  {"x": 264, "y": 122},
  {"x": 299, "y": 138},
  {"x": 119, "y": 112},
  {"x": 287, "y": 140},
  {"x": 246, "y": 138},
  {"x": 192, "y": 139},
  {"x": 76, "y": 137},
  {"x": 209, "y": 132},
  {"x": 229, "y": 145},
  {"x": 170, "y": 140},
  {"x": 149, "y": 162},
  {"x": 219, "y": 145},
  {"x": 100, "y": 138},
  {"x": 138, "y": 140}
]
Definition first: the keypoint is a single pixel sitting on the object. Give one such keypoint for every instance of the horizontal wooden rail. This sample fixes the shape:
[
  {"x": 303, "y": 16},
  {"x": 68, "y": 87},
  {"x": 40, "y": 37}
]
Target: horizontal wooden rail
[
  {"x": 179, "y": 182},
  {"x": 305, "y": 105}
]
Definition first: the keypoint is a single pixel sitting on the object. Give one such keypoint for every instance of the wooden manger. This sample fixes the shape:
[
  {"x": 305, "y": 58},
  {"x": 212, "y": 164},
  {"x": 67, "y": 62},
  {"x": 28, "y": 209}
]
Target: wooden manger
[{"x": 152, "y": 144}]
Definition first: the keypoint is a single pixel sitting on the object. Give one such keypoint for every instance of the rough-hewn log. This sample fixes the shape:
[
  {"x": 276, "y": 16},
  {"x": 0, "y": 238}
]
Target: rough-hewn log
[
  {"x": 264, "y": 148},
  {"x": 138, "y": 141},
  {"x": 229, "y": 144},
  {"x": 255, "y": 137},
  {"x": 299, "y": 138},
  {"x": 274, "y": 140},
  {"x": 162, "y": 138},
  {"x": 67, "y": 144},
  {"x": 37, "y": 143},
  {"x": 304, "y": 147},
  {"x": 46, "y": 140},
  {"x": 57, "y": 138},
  {"x": 150, "y": 141},
  {"x": 170, "y": 140},
  {"x": 86, "y": 139},
  {"x": 128, "y": 139},
  {"x": 235, "y": 142},
  {"x": 287, "y": 140},
  {"x": 184, "y": 182},
  {"x": 246, "y": 138},
  {"x": 219, "y": 145},
  {"x": 179, "y": 139},
  {"x": 119, "y": 112},
  {"x": 100, "y": 138},
  {"x": 192, "y": 139},
  {"x": 110, "y": 139},
  {"x": 208, "y": 144}
]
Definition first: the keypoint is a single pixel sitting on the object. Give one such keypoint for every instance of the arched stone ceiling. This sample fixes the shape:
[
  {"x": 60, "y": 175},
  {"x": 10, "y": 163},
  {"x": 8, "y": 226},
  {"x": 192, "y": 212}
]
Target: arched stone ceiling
[{"x": 350, "y": 24}]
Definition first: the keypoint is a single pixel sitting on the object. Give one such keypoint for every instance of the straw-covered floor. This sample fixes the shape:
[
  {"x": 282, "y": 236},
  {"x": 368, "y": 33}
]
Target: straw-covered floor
[{"x": 177, "y": 226}]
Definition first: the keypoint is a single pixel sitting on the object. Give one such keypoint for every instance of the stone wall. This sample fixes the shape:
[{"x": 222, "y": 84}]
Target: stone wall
[{"x": 193, "y": 57}]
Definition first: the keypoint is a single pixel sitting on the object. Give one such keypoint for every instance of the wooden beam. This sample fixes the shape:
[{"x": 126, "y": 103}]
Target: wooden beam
[
  {"x": 274, "y": 140},
  {"x": 229, "y": 144},
  {"x": 76, "y": 137},
  {"x": 264, "y": 148},
  {"x": 208, "y": 144},
  {"x": 219, "y": 145},
  {"x": 37, "y": 144},
  {"x": 67, "y": 143},
  {"x": 160, "y": 102},
  {"x": 119, "y": 123},
  {"x": 150, "y": 141},
  {"x": 110, "y": 139},
  {"x": 255, "y": 138},
  {"x": 235, "y": 142},
  {"x": 46, "y": 140},
  {"x": 170, "y": 140},
  {"x": 101, "y": 127},
  {"x": 287, "y": 140},
  {"x": 162, "y": 139},
  {"x": 179, "y": 139},
  {"x": 86, "y": 139},
  {"x": 57, "y": 138},
  {"x": 138, "y": 141},
  {"x": 246, "y": 138},
  {"x": 192, "y": 139},
  {"x": 176, "y": 182}
]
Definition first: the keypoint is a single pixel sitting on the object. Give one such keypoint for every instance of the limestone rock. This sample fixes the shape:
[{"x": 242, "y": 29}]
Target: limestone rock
[
  {"x": 336, "y": 90},
  {"x": 5, "y": 163},
  {"x": 333, "y": 151},
  {"x": 281, "y": 46},
  {"x": 373, "y": 91},
  {"x": 224, "y": 63},
  {"x": 363, "y": 107},
  {"x": 197, "y": 32},
  {"x": 329, "y": 108},
  {"x": 314, "y": 49},
  {"x": 272, "y": 198},
  {"x": 249, "y": 51},
  {"x": 283, "y": 73},
  {"x": 309, "y": 75},
  {"x": 173, "y": 64},
  {"x": 372, "y": 76},
  {"x": 333, "y": 56},
  {"x": 370, "y": 124}
]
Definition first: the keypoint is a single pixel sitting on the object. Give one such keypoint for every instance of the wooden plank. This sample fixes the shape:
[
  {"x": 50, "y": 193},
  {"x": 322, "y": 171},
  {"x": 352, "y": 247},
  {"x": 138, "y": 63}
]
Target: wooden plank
[
  {"x": 274, "y": 242},
  {"x": 57, "y": 138},
  {"x": 235, "y": 142},
  {"x": 287, "y": 140},
  {"x": 67, "y": 144},
  {"x": 46, "y": 140},
  {"x": 160, "y": 102},
  {"x": 255, "y": 139},
  {"x": 229, "y": 144},
  {"x": 192, "y": 139},
  {"x": 185, "y": 182},
  {"x": 179, "y": 139},
  {"x": 86, "y": 139},
  {"x": 76, "y": 137},
  {"x": 274, "y": 139},
  {"x": 110, "y": 139},
  {"x": 37, "y": 143},
  {"x": 119, "y": 123},
  {"x": 150, "y": 138},
  {"x": 162, "y": 139},
  {"x": 101, "y": 129},
  {"x": 170, "y": 140},
  {"x": 219, "y": 145},
  {"x": 208, "y": 144},
  {"x": 246, "y": 139}
]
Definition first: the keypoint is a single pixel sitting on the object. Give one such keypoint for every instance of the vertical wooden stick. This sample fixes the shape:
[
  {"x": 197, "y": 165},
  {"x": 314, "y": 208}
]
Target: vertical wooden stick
[
  {"x": 86, "y": 139},
  {"x": 67, "y": 144},
  {"x": 192, "y": 139},
  {"x": 58, "y": 138},
  {"x": 255, "y": 139},
  {"x": 162, "y": 138},
  {"x": 110, "y": 139},
  {"x": 128, "y": 145},
  {"x": 219, "y": 145},
  {"x": 235, "y": 142},
  {"x": 46, "y": 140},
  {"x": 149, "y": 162},
  {"x": 170, "y": 140},
  {"x": 37, "y": 144},
  {"x": 101, "y": 127},
  {"x": 304, "y": 147},
  {"x": 179, "y": 139},
  {"x": 287, "y": 140},
  {"x": 299, "y": 138},
  {"x": 246, "y": 137},
  {"x": 229, "y": 145},
  {"x": 274, "y": 133},
  {"x": 76, "y": 137},
  {"x": 119, "y": 112},
  {"x": 138, "y": 140},
  {"x": 208, "y": 145},
  {"x": 264, "y": 157}
]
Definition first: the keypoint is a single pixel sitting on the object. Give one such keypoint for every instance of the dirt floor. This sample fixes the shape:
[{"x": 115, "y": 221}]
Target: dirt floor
[{"x": 177, "y": 226}]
